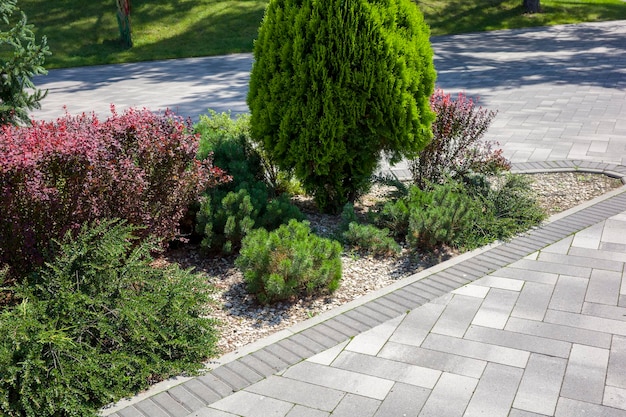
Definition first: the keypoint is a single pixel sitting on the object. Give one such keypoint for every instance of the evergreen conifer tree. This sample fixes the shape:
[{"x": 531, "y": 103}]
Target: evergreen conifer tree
[
  {"x": 21, "y": 57},
  {"x": 337, "y": 83}
]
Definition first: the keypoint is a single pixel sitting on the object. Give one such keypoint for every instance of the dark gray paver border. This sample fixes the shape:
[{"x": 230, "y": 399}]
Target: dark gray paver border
[{"x": 240, "y": 369}]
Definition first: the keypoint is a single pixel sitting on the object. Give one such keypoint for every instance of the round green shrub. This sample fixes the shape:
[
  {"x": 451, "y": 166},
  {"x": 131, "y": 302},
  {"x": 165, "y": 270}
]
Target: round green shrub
[
  {"x": 288, "y": 262},
  {"x": 337, "y": 83}
]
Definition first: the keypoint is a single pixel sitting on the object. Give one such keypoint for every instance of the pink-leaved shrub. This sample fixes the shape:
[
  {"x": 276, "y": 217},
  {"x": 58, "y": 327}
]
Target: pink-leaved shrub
[
  {"x": 55, "y": 176},
  {"x": 457, "y": 147}
]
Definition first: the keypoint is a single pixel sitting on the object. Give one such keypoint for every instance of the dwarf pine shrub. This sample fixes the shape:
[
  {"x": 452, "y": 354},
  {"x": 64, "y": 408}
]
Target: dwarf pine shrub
[
  {"x": 289, "y": 262},
  {"x": 440, "y": 216},
  {"x": 337, "y": 83},
  {"x": 365, "y": 238},
  {"x": 370, "y": 239},
  {"x": 464, "y": 215},
  {"x": 99, "y": 323},
  {"x": 231, "y": 210}
]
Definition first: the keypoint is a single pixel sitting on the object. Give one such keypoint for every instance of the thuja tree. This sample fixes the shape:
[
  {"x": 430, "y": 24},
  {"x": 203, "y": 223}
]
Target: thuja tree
[
  {"x": 21, "y": 57},
  {"x": 335, "y": 85}
]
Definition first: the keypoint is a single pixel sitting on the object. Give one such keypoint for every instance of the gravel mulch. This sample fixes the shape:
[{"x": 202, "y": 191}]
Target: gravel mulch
[{"x": 244, "y": 321}]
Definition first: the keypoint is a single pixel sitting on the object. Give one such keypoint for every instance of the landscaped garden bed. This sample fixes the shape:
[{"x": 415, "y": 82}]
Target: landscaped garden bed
[{"x": 242, "y": 320}]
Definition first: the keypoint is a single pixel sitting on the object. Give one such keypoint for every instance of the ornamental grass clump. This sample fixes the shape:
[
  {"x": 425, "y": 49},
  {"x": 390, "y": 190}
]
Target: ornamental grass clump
[
  {"x": 56, "y": 176},
  {"x": 99, "y": 323},
  {"x": 335, "y": 84},
  {"x": 289, "y": 262}
]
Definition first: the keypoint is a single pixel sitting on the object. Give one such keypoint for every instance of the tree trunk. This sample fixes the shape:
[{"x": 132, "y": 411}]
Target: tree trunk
[
  {"x": 532, "y": 6},
  {"x": 123, "y": 21}
]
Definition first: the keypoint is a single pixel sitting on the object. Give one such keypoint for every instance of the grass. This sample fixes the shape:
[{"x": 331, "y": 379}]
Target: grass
[
  {"x": 462, "y": 16},
  {"x": 85, "y": 33}
]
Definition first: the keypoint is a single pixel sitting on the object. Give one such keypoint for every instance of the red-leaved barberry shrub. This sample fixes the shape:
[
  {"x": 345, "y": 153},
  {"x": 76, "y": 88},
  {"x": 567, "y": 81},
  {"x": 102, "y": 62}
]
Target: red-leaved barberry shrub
[
  {"x": 456, "y": 148},
  {"x": 55, "y": 176}
]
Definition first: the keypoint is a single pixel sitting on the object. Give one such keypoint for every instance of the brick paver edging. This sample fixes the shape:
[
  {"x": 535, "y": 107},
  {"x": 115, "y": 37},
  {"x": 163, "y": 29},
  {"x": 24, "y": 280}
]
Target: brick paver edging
[{"x": 180, "y": 397}]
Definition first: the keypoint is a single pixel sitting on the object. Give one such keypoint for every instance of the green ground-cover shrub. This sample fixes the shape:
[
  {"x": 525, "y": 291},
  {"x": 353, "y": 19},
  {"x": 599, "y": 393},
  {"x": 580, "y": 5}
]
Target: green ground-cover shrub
[
  {"x": 337, "y": 83},
  {"x": 370, "y": 239},
  {"x": 365, "y": 238},
  {"x": 230, "y": 211},
  {"x": 289, "y": 262},
  {"x": 56, "y": 176},
  {"x": 98, "y": 323}
]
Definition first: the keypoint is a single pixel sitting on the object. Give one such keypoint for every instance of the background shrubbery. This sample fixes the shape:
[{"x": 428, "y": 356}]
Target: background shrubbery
[{"x": 21, "y": 58}]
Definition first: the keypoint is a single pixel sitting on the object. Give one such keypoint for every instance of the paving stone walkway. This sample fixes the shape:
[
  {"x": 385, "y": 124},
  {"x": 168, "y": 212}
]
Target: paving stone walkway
[{"x": 532, "y": 327}]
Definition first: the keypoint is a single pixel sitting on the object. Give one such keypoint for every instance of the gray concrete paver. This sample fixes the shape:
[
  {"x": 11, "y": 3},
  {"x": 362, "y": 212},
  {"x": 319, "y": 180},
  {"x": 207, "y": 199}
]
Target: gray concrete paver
[
  {"x": 300, "y": 411},
  {"x": 614, "y": 397},
  {"x": 339, "y": 379},
  {"x": 507, "y": 338},
  {"x": 495, "y": 391},
  {"x": 616, "y": 376},
  {"x": 496, "y": 308},
  {"x": 567, "y": 408},
  {"x": 298, "y": 392},
  {"x": 186, "y": 397},
  {"x": 387, "y": 369},
  {"x": 569, "y": 294},
  {"x": 371, "y": 341},
  {"x": 457, "y": 316},
  {"x": 211, "y": 412},
  {"x": 540, "y": 329},
  {"x": 586, "y": 374},
  {"x": 583, "y": 321},
  {"x": 167, "y": 402},
  {"x": 247, "y": 404},
  {"x": 477, "y": 350},
  {"x": 434, "y": 359},
  {"x": 450, "y": 396},
  {"x": 533, "y": 301},
  {"x": 604, "y": 286},
  {"x": 403, "y": 400},
  {"x": 356, "y": 405},
  {"x": 541, "y": 384},
  {"x": 150, "y": 408},
  {"x": 560, "y": 332}
]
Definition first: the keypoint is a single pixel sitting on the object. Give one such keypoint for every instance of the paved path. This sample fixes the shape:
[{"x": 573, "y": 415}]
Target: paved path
[
  {"x": 533, "y": 327},
  {"x": 560, "y": 91}
]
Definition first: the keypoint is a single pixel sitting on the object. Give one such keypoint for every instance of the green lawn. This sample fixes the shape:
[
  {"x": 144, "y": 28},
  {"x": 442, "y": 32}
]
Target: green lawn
[{"x": 85, "y": 33}]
